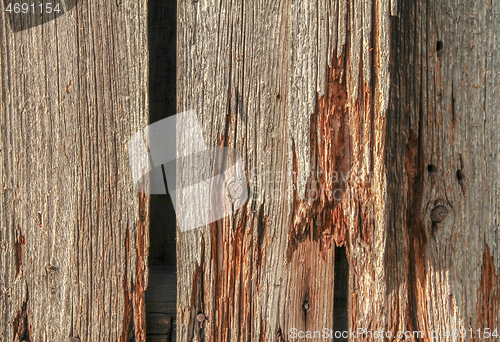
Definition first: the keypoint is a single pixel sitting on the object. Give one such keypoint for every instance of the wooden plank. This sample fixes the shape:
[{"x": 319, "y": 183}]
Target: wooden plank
[
  {"x": 444, "y": 122},
  {"x": 288, "y": 91},
  {"x": 73, "y": 228},
  {"x": 162, "y": 285}
]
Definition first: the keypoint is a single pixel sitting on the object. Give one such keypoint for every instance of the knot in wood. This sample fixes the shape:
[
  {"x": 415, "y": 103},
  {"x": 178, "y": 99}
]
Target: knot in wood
[
  {"x": 235, "y": 188},
  {"x": 439, "y": 213}
]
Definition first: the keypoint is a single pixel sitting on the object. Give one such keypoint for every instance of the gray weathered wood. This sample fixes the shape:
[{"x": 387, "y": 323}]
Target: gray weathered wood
[
  {"x": 443, "y": 133},
  {"x": 74, "y": 233}
]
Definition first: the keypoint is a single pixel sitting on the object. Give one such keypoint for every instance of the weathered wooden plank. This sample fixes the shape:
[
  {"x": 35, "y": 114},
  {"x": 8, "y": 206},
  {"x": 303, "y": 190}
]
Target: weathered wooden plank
[
  {"x": 443, "y": 138},
  {"x": 253, "y": 73},
  {"x": 73, "y": 229}
]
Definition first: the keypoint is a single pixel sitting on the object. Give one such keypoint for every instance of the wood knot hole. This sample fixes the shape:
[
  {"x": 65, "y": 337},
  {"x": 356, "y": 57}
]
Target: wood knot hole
[
  {"x": 236, "y": 188},
  {"x": 439, "y": 213},
  {"x": 432, "y": 168},
  {"x": 439, "y": 45},
  {"x": 460, "y": 175}
]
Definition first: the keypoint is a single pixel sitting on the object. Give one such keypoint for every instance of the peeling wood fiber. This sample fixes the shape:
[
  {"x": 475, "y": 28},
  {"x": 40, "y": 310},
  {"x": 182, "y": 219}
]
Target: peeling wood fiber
[
  {"x": 317, "y": 223},
  {"x": 315, "y": 217}
]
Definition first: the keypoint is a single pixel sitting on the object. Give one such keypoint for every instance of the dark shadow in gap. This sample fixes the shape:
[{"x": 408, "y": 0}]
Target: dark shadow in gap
[
  {"x": 161, "y": 291},
  {"x": 341, "y": 286}
]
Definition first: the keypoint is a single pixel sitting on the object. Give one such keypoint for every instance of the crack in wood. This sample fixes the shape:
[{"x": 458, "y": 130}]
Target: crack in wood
[
  {"x": 197, "y": 309},
  {"x": 21, "y": 326},
  {"x": 20, "y": 241},
  {"x": 128, "y": 332}
]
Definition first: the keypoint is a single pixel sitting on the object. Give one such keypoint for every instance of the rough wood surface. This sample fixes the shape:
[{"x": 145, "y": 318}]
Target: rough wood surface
[
  {"x": 74, "y": 232},
  {"x": 443, "y": 135},
  {"x": 399, "y": 97},
  {"x": 290, "y": 86}
]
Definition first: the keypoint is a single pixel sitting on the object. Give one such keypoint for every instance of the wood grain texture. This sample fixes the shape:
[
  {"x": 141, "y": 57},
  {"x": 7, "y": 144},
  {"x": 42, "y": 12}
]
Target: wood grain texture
[
  {"x": 74, "y": 232},
  {"x": 443, "y": 133},
  {"x": 290, "y": 86},
  {"x": 400, "y": 95}
]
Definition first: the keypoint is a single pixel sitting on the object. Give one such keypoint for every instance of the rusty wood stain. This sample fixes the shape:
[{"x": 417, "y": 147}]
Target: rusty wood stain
[
  {"x": 262, "y": 336},
  {"x": 18, "y": 250},
  {"x": 134, "y": 317},
  {"x": 322, "y": 218},
  {"x": 229, "y": 258},
  {"x": 488, "y": 293}
]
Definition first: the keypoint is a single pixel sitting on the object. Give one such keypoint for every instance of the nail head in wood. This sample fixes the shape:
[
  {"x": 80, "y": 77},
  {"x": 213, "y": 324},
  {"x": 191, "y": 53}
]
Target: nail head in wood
[
  {"x": 306, "y": 305},
  {"x": 439, "y": 213},
  {"x": 201, "y": 317}
]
